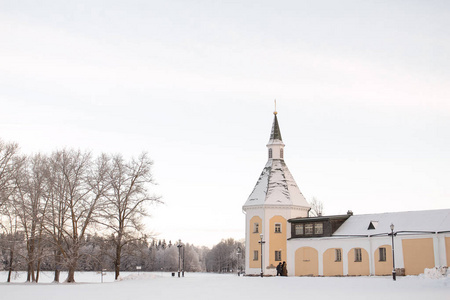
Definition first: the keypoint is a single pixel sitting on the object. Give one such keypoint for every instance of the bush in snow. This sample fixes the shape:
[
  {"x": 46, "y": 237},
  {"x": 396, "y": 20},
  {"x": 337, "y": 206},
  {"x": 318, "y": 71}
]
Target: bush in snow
[{"x": 436, "y": 273}]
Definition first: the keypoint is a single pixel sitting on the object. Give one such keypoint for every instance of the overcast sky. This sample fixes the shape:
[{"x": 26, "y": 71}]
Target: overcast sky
[{"x": 362, "y": 87}]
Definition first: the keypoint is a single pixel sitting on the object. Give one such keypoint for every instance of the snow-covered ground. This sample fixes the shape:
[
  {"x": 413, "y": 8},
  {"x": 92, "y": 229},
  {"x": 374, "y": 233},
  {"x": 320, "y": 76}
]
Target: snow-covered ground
[{"x": 220, "y": 287}]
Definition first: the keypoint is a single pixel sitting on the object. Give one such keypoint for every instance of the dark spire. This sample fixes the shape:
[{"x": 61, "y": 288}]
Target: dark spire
[{"x": 276, "y": 133}]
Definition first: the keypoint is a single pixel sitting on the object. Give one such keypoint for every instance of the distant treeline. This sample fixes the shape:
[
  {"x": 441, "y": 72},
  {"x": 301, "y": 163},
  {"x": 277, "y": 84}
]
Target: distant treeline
[{"x": 97, "y": 253}]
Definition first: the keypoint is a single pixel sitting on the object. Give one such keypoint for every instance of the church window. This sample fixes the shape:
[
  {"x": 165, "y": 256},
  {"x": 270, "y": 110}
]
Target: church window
[
  {"x": 318, "y": 228},
  {"x": 298, "y": 229},
  {"x": 337, "y": 254},
  {"x": 256, "y": 228},
  {"x": 278, "y": 228},
  {"x": 255, "y": 255},
  {"x": 281, "y": 153},
  {"x": 382, "y": 252},
  {"x": 270, "y": 152},
  {"x": 309, "y": 229},
  {"x": 358, "y": 255},
  {"x": 278, "y": 255}
]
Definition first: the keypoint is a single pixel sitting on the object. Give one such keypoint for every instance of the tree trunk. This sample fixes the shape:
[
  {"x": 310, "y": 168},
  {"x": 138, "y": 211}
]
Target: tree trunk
[
  {"x": 11, "y": 258},
  {"x": 38, "y": 267},
  {"x": 117, "y": 260},
  {"x": 28, "y": 272},
  {"x": 56, "y": 278},
  {"x": 30, "y": 269},
  {"x": 37, "y": 270},
  {"x": 71, "y": 275},
  {"x": 57, "y": 266}
]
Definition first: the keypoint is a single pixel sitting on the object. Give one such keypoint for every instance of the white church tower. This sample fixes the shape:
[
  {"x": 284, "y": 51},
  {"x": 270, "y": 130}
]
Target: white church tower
[{"x": 275, "y": 199}]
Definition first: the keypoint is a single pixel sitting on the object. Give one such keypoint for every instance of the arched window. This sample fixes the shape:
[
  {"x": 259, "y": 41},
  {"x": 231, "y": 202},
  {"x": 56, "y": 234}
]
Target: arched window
[
  {"x": 270, "y": 152},
  {"x": 281, "y": 153}
]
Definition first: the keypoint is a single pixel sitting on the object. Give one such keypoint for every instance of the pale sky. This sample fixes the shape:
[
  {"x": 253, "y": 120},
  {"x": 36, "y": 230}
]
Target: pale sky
[{"x": 362, "y": 89}]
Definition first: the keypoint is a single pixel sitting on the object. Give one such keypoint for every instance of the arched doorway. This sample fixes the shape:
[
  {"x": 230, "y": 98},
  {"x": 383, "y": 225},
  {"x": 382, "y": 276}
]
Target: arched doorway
[{"x": 306, "y": 262}]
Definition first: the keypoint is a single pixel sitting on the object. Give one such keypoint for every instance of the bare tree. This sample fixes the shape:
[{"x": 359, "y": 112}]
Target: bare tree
[
  {"x": 316, "y": 208},
  {"x": 126, "y": 201},
  {"x": 7, "y": 153},
  {"x": 11, "y": 237},
  {"x": 79, "y": 187},
  {"x": 29, "y": 206},
  {"x": 55, "y": 220}
]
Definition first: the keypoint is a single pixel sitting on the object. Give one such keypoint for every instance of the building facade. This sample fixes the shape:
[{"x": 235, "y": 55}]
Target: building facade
[
  {"x": 278, "y": 228},
  {"x": 357, "y": 245},
  {"x": 275, "y": 199}
]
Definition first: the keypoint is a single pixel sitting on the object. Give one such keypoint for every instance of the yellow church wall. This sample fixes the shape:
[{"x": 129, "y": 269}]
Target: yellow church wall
[
  {"x": 254, "y": 245},
  {"x": 306, "y": 262},
  {"x": 418, "y": 254},
  {"x": 331, "y": 267},
  {"x": 447, "y": 250},
  {"x": 277, "y": 240},
  {"x": 358, "y": 268},
  {"x": 383, "y": 267}
]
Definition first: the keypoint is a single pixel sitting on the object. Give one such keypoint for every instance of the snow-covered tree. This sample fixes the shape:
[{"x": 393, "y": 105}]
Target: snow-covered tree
[
  {"x": 79, "y": 186},
  {"x": 8, "y": 151},
  {"x": 125, "y": 202}
]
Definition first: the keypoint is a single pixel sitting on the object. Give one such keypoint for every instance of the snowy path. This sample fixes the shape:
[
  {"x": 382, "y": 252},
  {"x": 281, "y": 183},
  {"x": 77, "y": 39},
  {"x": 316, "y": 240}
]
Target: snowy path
[{"x": 221, "y": 287}]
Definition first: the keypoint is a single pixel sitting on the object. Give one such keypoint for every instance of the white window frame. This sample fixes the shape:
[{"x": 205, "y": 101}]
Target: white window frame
[
  {"x": 255, "y": 227},
  {"x": 277, "y": 255},
  {"x": 358, "y": 255},
  {"x": 316, "y": 228},
  {"x": 382, "y": 254},
  {"x": 297, "y": 231},
  {"x": 255, "y": 255},
  {"x": 277, "y": 227},
  {"x": 338, "y": 255}
]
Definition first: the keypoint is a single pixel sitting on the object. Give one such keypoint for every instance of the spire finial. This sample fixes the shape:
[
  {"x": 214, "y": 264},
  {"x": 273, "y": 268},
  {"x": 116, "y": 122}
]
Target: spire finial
[{"x": 275, "y": 112}]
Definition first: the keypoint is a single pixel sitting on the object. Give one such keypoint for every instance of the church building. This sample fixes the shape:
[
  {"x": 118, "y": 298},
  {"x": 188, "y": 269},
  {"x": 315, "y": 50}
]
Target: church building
[{"x": 278, "y": 228}]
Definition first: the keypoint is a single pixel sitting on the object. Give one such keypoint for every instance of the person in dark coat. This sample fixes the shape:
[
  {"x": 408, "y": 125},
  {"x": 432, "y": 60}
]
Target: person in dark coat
[
  {"x": 284, "y": 269},
  {"x": 279, "y": 267}
]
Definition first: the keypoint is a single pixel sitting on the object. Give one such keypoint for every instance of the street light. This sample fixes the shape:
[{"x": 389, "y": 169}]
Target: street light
[
  {"x": 394, "y": 273},
  {"x": 179, "y": 256},
  {"x": 261, "y": 242},
  {"x": 238, "y": 252},
  {"x": 182, "y": 273}
]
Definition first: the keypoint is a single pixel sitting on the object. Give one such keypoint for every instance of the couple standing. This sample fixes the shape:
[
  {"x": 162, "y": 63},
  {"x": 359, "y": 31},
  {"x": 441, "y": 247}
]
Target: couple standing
[{"x": 282, "y": 269}]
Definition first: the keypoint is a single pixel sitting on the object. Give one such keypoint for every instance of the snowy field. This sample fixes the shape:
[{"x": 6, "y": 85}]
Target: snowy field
[{"x": 223, "y": 287}]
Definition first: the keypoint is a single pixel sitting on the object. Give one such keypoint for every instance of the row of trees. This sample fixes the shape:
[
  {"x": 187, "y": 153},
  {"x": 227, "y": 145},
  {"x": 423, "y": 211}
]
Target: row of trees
[
  {"x": 53, "y": 207},
  {"x": 51, "y": 203},
  {"x": 98, "y": 252}
]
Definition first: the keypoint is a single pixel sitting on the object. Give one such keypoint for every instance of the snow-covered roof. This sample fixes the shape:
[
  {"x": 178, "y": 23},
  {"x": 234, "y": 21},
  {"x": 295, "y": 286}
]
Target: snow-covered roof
[
  {"x": 406, "y": 221},
  {"x": 276, "y": 186}
]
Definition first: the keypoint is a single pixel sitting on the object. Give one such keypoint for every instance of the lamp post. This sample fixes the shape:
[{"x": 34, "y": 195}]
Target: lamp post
[
  {"x": 262, "y": 242},
  {"x": 238, "y": 252},
  {"x": 179, "y": 256},
  {"x": 394, "y": 273},
  {"x": 182, "y": 273}
]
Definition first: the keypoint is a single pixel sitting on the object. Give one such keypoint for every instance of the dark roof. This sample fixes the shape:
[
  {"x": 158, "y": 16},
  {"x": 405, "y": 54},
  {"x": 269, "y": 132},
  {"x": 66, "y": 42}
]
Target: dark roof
[
  {"x": 320, "y": 218},
  {"x": 276, "y": 133}
]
